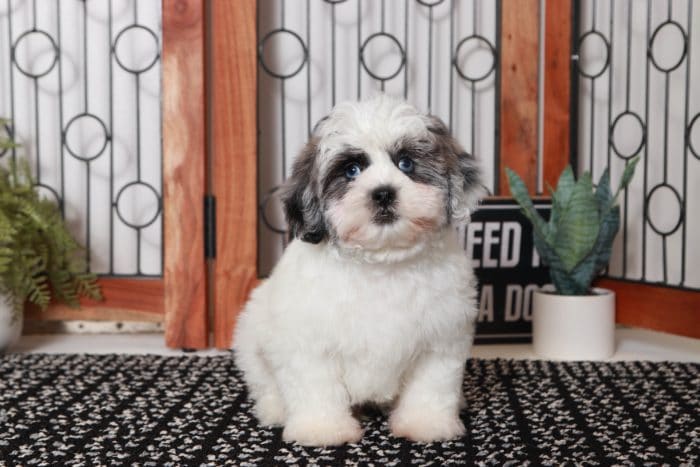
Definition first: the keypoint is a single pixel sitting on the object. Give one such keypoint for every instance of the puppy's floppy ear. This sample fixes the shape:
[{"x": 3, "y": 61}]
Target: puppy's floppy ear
[
  {"x": 463, "y": 171},
  {"x": 302, "y": 207}
]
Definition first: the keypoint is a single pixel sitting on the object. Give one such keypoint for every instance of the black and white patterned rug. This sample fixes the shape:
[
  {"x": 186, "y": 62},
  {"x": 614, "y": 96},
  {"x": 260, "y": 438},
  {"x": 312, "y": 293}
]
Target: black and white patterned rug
[{"x": 190, "y": 410}]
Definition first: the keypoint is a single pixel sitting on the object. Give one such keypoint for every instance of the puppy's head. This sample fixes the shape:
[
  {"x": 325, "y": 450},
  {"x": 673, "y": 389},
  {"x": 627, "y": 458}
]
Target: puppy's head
[{"x": 379, "y": 175}]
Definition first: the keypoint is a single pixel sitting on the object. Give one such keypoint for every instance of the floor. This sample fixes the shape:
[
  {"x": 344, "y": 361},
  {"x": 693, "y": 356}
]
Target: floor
[{"x": 632, "y": 344}]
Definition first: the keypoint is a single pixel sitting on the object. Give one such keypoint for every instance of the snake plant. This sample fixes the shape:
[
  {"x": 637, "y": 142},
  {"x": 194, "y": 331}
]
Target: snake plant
[{"x": 577, "y": 240}]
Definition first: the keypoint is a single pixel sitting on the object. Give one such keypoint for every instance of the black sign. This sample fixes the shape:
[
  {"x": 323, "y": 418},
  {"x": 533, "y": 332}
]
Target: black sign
[{"x": 499, "y": 241}]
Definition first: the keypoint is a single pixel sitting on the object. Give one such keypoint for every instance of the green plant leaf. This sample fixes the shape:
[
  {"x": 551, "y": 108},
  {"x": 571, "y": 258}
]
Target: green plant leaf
[
  {"x": 521, "y": 196},
  {"x": 39, "y": 258},
  {"x": 578, "y": 225},
  {"x": 627, "y": 174}
]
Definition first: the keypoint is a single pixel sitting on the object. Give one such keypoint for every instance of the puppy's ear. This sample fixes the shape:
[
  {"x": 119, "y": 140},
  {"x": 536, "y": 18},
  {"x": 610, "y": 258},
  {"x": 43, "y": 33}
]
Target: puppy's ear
[
  {"x": 301, "y": 204},
  {"x": 465, "y": 186}
]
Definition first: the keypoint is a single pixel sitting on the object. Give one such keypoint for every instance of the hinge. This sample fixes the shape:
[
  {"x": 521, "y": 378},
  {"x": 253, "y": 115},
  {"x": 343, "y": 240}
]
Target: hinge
[{"x": 209, "y": 226}]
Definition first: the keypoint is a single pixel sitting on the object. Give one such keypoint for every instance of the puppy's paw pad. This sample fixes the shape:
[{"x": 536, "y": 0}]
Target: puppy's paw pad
[
  {"x": 425, "y": 427},
  {"x": 323, "y": 431},
  {"x": 270, "y": 411}
]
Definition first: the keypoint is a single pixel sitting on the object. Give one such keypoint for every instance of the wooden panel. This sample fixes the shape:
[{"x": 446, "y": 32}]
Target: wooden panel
[
  {"x": 125, "y": 300},
  {"x": 233, "y": 99},
  {"x": 518, "y": 81},
  {"x": 184, "y": 152},
  {"x": 557, "y": 90},
  {"x": 655, "y": 307}
]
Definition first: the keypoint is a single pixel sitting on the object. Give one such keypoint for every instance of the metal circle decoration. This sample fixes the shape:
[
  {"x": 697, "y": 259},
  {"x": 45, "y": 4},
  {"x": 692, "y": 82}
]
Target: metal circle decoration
[
  {"x": 280, "y": 32},
  {"x": 74, "y": 125},
  {"x": 588, "y": 38},
  {"x": 695, "y": 150},
  {"x": 621, "y": 127},
  {"x": 667, "y": 197},
  {"x": 271, "y": 195},
  {"x": 48, "y": 193},
  {"x": 478, "y": 41},
  {"x": 23, "y": 40},
  {"x": 131, "y": 33},
  {"x": 662, "y": 61},
  {"x": 131, "y": 190},
  {"x": 9, "y": 134},
  {"x": 430, "y": 4},
  {"x": 373, "y": 38}
]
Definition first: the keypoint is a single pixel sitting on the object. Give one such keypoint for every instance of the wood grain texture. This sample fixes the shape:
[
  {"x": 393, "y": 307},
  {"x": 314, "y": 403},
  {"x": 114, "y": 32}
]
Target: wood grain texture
[
  {"x": 654, "y": 307},
  {"x": 233, "y": 99},
  {"x": 557, "y": 90},
  {"x": 518, "y": 103},
  {"x": 184, "y": 150},
  {"x": 124, "y": 300}
]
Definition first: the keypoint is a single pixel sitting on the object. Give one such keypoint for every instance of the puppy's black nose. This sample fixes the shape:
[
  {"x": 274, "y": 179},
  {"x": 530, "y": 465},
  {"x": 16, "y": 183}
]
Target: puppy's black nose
[{"x": 384, "y": 196}]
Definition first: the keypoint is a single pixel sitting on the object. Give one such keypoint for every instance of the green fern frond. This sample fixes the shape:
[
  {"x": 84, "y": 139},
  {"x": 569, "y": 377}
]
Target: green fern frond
[{"x": 39, "y": 258}]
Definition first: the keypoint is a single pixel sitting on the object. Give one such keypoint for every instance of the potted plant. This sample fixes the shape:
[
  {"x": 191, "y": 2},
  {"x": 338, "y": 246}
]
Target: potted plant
[
  {"x": 39, "y": 258},
  {"x": 572, "y": 320}
]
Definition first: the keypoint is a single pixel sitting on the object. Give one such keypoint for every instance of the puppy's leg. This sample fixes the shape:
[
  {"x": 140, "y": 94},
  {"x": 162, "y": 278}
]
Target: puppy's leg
[
  {"x": 317, "y": 402},
  {"x": 428, "y": 406},
  {"x": 269, "y": 405}
]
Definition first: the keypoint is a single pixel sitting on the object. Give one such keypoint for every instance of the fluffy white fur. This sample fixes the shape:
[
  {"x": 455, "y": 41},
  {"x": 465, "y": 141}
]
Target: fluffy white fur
[{"x": 376, "y": 313}]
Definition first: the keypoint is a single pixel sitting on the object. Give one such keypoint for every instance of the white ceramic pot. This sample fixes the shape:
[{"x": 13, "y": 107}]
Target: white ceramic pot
[
  {"x": 10, "y": 325},
  {"x": 573, "y": 327}
]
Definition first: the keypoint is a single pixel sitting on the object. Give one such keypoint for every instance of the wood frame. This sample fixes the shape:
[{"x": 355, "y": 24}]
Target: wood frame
[
  {"x": 124, "y": 300},
  {"x": 654, "y": 307},
  {"x": 518, "y": 92},
  {"x": 557, "y": 90},
  {"x": 233, "y": 82},
  {"x": 184, "y": 160},
  {"x": 178, "y": 298}
]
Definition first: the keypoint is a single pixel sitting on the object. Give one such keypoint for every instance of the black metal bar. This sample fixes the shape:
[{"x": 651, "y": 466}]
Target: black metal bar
[
  {"x": 111, "y": 146},
  {"x": 574, "y": 98},
  {"x": 405, "y": 46},
  {"x": 60, "y": 107},
  {"x": 497, "y": 136},
  {"x": 646, "y": 150},
  {"x": 686, "y": 140},
  {"x": 332, "y": 53},
  {"x": 359, "y": 49},
  {"x": 308, "y": 70},
  {"x": 430, "y": 57},
  {"x": 12, "y": 73},
  {"x": 452, "y": 53}
]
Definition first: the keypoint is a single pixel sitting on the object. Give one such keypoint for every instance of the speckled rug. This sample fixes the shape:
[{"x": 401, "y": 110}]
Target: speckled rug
[{"x": 190, "y": 410}]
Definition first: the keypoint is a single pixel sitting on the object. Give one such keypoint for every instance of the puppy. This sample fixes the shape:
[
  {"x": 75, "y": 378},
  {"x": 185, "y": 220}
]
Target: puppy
[{"x": 373, "y": 299}]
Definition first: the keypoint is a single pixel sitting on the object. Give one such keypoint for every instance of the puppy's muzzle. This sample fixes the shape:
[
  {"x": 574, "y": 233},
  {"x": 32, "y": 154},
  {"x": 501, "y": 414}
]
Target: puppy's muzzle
[{"x": 384, "y": 199}]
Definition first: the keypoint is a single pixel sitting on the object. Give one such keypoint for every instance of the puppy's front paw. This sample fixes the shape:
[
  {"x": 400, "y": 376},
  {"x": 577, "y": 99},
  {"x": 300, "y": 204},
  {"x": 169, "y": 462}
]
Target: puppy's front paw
[
  {"x": 425, "y": 426},
  {"x": 322, "y": 430},
  {"x": 269, "y": 410}
]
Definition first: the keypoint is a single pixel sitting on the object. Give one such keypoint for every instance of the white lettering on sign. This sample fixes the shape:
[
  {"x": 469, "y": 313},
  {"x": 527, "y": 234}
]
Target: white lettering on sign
[
  {"x": 535, "y": 258},
  {"x": 506, "y": 236},
  {"x": 519, "y": 302},
  {"x": 486, "y": 304},
  {"x": 514, "y": 303},
  {"x": 510, "y": 256},
  {"x": 472, "y": 230},
  {"x": 490, "y": 238},
  {"x": 527, "y": 301}
]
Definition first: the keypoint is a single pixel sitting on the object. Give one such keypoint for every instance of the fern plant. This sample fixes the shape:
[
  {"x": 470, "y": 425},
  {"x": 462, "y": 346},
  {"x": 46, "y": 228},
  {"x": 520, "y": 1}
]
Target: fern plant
[
  {"x": 577, "y": 241},
  {"x": 39, "y": 258}
]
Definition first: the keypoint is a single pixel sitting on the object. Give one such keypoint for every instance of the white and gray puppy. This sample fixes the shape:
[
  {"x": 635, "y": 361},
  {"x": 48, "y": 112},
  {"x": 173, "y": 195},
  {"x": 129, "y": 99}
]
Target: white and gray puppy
[{"x": 373, "y": 300}]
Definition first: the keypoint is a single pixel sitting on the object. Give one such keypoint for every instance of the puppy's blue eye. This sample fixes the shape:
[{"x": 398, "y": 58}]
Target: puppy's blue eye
[
  {"x": 406, "y": 165},
  {"x": 352, "y": 170}
]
